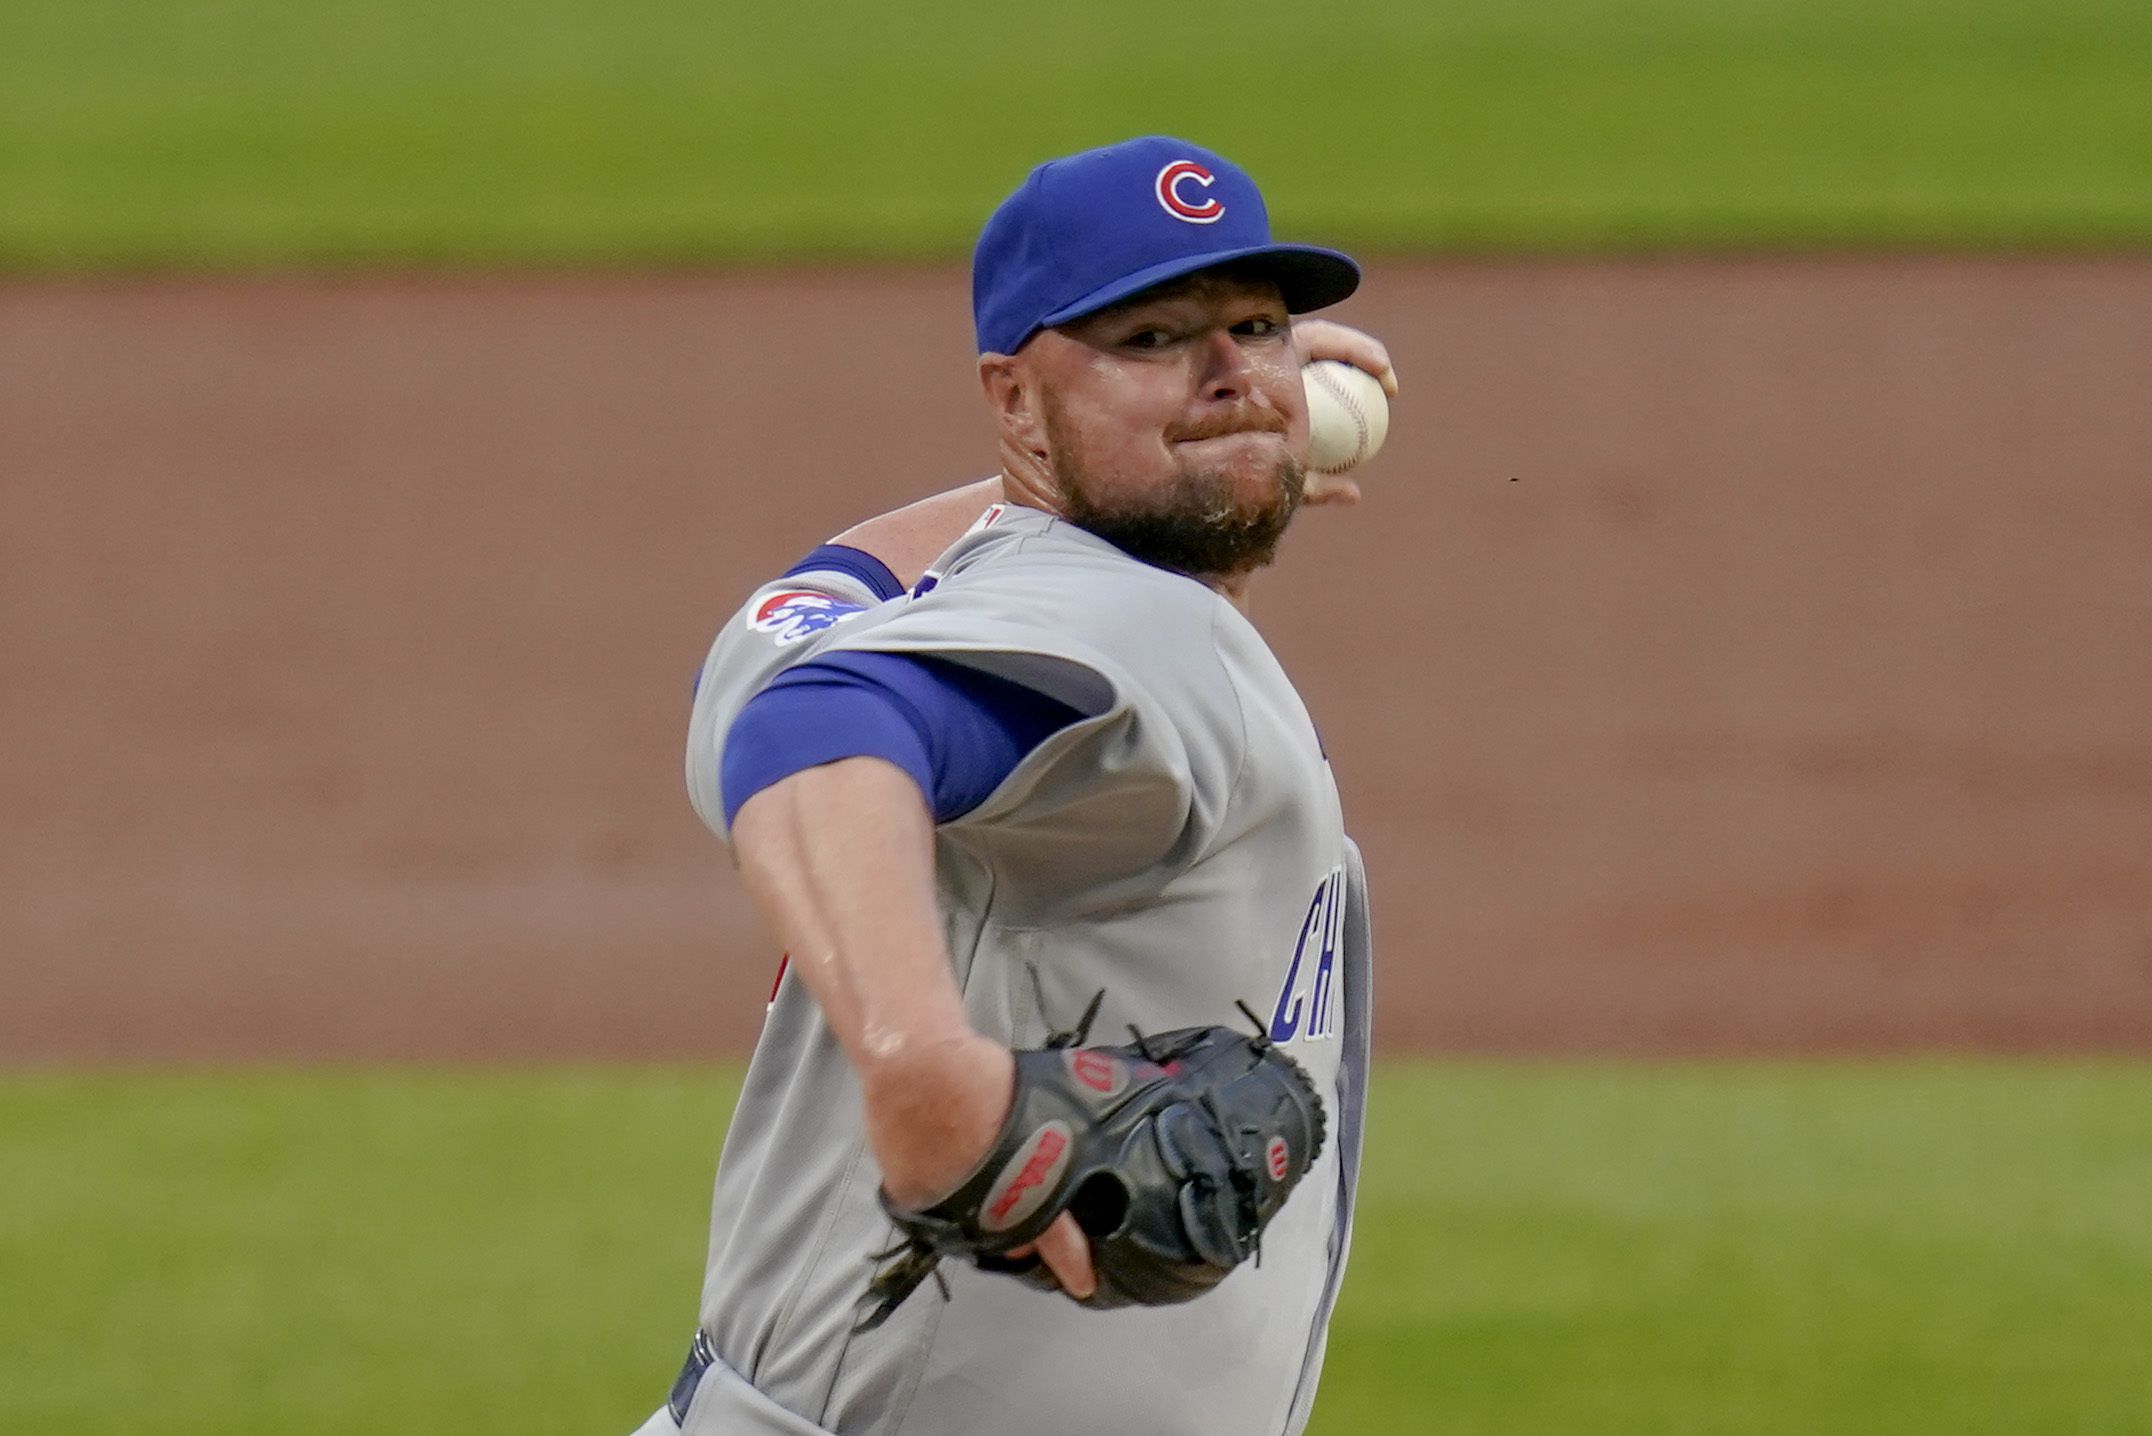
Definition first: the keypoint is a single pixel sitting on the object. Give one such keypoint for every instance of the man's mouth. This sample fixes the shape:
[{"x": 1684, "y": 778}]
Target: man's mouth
[
  {"x": 1246, "y": 422},
  {"x": 1205, "y": 436}
]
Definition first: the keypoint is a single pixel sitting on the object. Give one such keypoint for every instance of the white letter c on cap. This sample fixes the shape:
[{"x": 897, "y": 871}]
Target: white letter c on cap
[{"x": 1170, "y": 180}]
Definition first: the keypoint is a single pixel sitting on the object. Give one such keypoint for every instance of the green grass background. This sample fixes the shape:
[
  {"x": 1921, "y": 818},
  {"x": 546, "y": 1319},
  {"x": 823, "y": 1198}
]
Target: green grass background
[
  {"x": 229, "y": 133},
  {"x": 1931, "y": 1246}
]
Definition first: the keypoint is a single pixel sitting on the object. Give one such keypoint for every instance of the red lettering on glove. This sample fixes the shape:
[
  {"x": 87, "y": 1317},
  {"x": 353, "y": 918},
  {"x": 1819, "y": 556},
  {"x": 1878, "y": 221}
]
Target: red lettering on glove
[
  {"x": 1034, "y": 1172},
  {"x": 1096, "y": 1070}
]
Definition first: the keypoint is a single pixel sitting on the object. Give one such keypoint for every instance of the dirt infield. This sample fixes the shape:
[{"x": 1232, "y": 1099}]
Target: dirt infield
[{"x": 1730, "y": 656}]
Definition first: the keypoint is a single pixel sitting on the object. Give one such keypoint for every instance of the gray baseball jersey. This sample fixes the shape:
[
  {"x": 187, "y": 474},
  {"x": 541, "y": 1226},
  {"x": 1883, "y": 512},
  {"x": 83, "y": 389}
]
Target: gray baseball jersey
[{"x": 1181, "y": 848}]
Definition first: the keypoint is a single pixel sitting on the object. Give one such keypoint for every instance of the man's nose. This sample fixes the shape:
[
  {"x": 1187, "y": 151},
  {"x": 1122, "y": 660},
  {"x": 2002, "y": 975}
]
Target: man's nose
[{"x": 1227, "y": 371}]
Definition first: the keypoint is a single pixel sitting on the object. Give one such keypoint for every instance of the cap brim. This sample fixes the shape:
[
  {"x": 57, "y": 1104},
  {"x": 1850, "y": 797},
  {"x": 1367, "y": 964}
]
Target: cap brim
[{"x": 1309, "y": 277}]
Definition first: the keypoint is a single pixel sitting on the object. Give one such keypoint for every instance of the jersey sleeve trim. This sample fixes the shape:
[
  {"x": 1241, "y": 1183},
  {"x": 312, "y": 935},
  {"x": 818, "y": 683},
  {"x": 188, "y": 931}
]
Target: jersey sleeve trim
[
  {"x": 854, "y": 563},
  {"x": 790, "y": 727},
  {"x": 958, "y": 731}
]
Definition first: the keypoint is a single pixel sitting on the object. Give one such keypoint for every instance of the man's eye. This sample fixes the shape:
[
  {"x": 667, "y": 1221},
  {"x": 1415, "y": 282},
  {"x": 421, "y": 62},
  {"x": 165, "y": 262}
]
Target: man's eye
[
  {"x": 1147, "y": 339},
  {"x": 1261, "y": 327}
]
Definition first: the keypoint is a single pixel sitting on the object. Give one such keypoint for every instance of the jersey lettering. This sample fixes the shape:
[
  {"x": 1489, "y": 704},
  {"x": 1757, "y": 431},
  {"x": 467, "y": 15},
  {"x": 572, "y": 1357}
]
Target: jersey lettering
[{"x": 1307, "y": 1000}]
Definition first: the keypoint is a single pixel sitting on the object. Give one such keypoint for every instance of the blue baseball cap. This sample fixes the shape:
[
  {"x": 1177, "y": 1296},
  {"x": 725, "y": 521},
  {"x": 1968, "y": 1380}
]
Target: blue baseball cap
[{"x": 1092, "y": 229}]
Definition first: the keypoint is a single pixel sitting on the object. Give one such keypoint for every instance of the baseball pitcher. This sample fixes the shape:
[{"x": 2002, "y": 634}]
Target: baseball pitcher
[{"x": 1055, "y": 1118}]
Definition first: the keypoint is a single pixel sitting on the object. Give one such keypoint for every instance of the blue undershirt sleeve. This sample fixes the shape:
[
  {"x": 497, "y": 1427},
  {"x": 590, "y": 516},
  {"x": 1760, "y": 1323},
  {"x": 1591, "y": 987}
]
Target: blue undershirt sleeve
[
  {"x": 854, "y": 563},
  {"x": 958, "y": 732}
]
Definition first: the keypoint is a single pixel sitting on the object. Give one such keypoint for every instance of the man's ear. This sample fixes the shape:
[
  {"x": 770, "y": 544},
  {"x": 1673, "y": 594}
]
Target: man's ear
[{"x": 1009, "y": 394}]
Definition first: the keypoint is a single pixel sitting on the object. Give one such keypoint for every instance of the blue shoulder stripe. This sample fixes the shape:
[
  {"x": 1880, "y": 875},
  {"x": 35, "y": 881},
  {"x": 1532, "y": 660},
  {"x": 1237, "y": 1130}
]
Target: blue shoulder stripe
[{"x": 852, "y": 563}]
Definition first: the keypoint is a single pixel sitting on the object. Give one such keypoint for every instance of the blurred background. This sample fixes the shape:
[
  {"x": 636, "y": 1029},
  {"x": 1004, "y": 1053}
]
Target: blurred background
[{"x": 1739, "y": 674}]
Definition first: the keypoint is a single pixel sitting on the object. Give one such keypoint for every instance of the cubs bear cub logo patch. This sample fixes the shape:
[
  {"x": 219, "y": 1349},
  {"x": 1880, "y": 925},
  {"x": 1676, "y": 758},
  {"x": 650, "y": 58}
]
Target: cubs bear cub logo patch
[{"x": 799, "y": 614}]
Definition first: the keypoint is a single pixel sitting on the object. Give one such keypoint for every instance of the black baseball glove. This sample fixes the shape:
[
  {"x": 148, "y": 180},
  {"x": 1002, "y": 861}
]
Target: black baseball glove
[{"x": 1172, "y": 1153}]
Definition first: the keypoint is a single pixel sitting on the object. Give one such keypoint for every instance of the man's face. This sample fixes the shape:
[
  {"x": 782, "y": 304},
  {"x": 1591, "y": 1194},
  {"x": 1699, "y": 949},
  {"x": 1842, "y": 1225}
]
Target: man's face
[{"x": 1173, "y": 422}]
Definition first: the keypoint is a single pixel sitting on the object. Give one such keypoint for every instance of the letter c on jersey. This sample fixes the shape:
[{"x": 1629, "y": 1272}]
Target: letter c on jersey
[
  {"x": 1307, "y": 999},
  {"x": 1170, "y": 182}
]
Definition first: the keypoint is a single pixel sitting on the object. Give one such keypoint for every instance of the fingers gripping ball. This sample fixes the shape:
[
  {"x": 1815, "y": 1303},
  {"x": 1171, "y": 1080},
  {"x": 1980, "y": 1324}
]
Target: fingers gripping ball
[
  {"x": 1348, "y": 415},
  {"x": 1172, "y": 1154}
]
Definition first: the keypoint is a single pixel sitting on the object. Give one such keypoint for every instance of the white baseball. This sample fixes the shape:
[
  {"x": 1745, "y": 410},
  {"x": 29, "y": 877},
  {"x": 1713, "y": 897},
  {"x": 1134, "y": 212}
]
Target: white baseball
[{"x": 1348, "y": 415}]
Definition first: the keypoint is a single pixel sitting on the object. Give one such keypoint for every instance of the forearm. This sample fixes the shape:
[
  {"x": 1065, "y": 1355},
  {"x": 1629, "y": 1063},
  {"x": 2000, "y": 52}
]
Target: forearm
[
  {"x": 840, "y": 860},
  {"x": 910, "y": 538}
]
